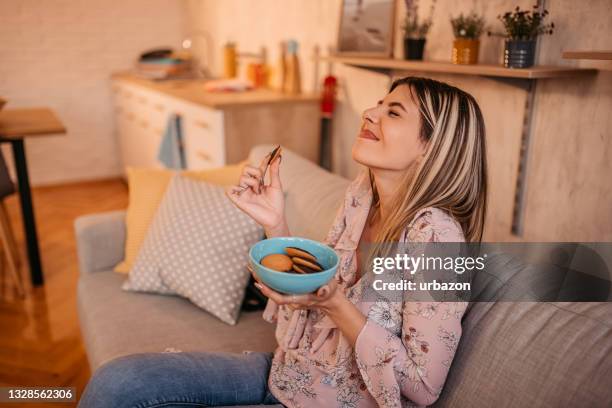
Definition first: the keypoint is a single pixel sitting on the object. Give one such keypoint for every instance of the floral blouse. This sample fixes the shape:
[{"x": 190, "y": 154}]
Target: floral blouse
[{"x": 402, "y": 354}]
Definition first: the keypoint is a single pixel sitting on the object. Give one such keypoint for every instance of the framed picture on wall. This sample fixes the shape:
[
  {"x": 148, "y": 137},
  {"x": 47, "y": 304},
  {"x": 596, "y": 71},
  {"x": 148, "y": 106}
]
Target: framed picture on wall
[{"x": 366, "y": 28}]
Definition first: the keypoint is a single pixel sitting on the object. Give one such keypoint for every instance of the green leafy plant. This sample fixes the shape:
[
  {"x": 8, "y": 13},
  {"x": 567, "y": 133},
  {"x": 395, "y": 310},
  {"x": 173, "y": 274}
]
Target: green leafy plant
[
  {"x": 412, "y": 27},
  {"x": 468, "y": 26},
  {"x": 524, "y": 24}
]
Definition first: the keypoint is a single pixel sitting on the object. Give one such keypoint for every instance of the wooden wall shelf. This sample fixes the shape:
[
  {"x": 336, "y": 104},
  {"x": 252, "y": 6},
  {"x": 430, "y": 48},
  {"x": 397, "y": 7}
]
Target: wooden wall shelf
[
  {"x": 536, "y": 72},
  {"x": 589, "y": 55}
]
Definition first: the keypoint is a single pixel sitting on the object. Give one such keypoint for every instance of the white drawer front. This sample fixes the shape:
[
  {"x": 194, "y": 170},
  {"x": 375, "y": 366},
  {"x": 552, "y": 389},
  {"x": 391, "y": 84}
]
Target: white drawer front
[
  {"x": 128, "y": 140},
  {"x": 139, "y": 130},
  {"x": 203, "y": 138},
  {"x": 125, "y": 95}
]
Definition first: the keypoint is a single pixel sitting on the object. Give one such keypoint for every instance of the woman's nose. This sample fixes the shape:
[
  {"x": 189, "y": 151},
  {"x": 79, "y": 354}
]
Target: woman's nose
[{"x": 370, "y": 115}]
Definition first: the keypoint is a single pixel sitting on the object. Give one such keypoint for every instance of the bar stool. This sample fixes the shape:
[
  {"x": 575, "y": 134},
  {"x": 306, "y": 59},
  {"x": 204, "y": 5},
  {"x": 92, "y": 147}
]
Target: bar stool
[{"x": 9, "y": 246}]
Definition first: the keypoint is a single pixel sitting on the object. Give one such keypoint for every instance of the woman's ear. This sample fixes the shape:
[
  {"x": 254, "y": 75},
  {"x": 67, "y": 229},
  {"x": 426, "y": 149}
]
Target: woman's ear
[
  {"x": 423, "y": 145},
  {"x": 420, "y": 158}
]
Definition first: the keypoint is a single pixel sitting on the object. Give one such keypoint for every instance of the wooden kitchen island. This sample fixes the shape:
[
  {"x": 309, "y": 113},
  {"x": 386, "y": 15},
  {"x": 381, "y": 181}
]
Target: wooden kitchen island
[{"x": 217, "y": 128}]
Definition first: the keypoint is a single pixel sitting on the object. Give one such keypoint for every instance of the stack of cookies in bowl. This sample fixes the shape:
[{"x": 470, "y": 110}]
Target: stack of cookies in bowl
[{"x": 295, "y": 260}]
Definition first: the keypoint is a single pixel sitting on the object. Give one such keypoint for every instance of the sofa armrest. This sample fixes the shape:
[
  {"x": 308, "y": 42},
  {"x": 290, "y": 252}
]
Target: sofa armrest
[{"x": 100, "y": 240}]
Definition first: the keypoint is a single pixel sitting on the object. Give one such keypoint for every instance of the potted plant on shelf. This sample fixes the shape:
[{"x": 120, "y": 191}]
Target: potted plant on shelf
[
  {"x": 415, "y": 31},
  {"x": 467, "y": 30},
  {"x": 522, "y": 28}
]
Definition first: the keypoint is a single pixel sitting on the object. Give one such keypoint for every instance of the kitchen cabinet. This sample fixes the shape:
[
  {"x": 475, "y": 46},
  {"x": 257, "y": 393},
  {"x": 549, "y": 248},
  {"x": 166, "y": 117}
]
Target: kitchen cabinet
[{"x": 217, "y": 128}]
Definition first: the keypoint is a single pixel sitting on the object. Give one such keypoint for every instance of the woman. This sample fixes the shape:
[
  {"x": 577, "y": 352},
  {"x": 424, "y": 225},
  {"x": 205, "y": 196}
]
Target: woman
[{"x": 423, "y": 148}]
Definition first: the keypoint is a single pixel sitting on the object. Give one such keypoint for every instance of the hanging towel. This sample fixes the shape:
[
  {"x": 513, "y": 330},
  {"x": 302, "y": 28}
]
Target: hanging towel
[{"x": 171, "y": 152}]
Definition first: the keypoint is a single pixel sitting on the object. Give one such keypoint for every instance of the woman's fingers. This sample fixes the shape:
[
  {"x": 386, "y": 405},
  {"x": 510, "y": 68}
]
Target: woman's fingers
[
  {"x": 231, "y": 189},
  {"x": 250, "y": 268},
  {"x": 253, "y": 171},
  {"x": 250, "y": 177},
  {"x": 323, "y": 292},
  {"x": 232, "y": 192},
  {"x": 264, "y": 162},
  {"x": 275, "y": 173},
  {"x": 269, "y": 293},
  {"x": 293, "y": 301},
  {"x": 239, "y": 196},
  {"x": 250, "y": 182}
]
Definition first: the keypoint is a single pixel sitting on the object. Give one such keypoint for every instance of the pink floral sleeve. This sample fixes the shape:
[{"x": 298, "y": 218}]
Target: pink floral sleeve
[{"x": 414, "y": 364}]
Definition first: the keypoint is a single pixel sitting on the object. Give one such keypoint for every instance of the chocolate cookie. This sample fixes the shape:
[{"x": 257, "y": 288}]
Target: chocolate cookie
[
  {"x": 300, "y": 253},
  {"x": 307, "y": 263},
  {"x": 303, "y": 269}
]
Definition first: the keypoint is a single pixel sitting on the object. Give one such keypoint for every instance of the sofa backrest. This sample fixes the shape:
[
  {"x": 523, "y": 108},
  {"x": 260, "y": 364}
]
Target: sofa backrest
[
  {"x": 530, "y": 354},
  {"x": 312, "y": 194}
]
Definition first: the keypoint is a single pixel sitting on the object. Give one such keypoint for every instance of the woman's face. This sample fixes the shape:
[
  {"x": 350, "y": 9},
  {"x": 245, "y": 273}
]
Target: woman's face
[{"x": 389, "y": 136}]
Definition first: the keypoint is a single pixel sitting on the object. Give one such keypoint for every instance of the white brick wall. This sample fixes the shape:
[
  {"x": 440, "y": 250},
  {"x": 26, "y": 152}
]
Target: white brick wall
[{"x": 60, "y": 54}]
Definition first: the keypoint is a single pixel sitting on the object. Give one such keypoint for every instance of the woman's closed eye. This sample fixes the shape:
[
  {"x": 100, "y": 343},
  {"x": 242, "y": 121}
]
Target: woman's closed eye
[{"x": 393, "y": 114}]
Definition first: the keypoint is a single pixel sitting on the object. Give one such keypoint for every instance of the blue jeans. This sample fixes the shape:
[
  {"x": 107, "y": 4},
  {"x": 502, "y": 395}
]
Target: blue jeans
[{"x": 180, "y": 380}]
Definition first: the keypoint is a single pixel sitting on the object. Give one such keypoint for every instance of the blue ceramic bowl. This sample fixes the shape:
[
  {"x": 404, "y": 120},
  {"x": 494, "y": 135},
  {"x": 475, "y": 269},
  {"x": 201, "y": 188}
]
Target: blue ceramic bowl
[{"x": 293, "y": 283}]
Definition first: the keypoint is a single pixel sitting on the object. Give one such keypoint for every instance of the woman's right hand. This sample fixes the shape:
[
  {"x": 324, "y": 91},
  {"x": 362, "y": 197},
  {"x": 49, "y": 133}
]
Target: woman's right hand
[{"x": 264, "y": 203}]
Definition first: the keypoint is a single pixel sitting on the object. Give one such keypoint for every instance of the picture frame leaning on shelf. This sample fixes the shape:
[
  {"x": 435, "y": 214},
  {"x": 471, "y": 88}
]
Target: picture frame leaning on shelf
[{"x": 366, "y": 28}]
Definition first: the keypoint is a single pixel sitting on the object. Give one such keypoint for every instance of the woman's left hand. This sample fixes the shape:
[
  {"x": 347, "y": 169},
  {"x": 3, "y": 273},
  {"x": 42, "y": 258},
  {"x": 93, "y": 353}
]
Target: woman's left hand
[
  {"x": 328, "y": 298},
  {"x": 323, "y": 298}
]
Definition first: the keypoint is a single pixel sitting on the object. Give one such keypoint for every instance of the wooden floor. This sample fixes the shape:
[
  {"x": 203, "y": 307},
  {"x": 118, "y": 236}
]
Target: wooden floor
[{"x": 40, "y": 341}]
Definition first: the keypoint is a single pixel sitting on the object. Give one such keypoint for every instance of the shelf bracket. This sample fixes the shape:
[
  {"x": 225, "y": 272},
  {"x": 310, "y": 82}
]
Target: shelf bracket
[
  {"x": 520, "y": 192},
  {"x": 518, "y": 211}
]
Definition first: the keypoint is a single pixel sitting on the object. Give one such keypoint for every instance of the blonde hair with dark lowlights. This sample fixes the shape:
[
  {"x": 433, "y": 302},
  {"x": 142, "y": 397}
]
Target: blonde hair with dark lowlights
[{"x": 452, "y": 174}]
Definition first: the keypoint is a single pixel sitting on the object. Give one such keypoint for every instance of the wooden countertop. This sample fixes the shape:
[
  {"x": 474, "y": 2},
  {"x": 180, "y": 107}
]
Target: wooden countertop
[
  {"x": 193, "y": 91},
  {"x": 18, "y": 123}
]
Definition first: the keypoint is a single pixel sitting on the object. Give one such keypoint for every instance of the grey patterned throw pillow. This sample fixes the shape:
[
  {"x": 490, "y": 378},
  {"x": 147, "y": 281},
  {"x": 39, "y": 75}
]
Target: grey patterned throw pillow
[{"x": 197, "y": 247}]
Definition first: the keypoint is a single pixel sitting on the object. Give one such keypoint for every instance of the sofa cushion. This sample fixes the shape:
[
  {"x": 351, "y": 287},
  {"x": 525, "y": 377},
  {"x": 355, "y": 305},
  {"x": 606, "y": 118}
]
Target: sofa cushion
[
  {"x": 528, "y": 354},
  {"x": 197, "y": 246},
  {"x": 147, "y": 187},
  {"x": 116, "y": 323}
]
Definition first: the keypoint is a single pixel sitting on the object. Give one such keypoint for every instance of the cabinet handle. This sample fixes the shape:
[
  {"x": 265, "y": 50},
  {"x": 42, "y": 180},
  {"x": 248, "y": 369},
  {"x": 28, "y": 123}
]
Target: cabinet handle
[
  {"x": 203, "y": 155},
  {"x": 201, "y": 124},
  {"x": 159, "y": 107}
]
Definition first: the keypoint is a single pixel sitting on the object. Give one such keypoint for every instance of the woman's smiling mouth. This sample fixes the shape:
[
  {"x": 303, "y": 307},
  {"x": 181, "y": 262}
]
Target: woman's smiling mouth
[{"x": 367, "y": 134}]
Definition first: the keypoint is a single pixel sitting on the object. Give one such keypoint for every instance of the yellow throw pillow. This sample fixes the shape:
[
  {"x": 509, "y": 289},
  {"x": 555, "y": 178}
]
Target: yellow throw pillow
[{"x": 146, "y": 189}]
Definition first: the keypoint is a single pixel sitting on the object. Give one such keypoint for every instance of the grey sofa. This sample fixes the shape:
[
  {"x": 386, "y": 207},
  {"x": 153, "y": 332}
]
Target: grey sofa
[{"x": 510, "y": 354}]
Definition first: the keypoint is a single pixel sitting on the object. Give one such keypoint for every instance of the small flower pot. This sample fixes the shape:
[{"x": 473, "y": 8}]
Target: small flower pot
[
  {"x": 413, "y": 48},
  {"x": 519, "y": 53},
  {"x": 465, "y": 51}
]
